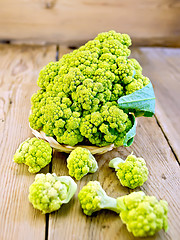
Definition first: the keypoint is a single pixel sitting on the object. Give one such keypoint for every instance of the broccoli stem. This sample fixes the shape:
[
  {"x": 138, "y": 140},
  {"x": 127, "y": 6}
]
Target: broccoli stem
[
  {"x": 71, "y": 186},
  {"x": 94, "y": 168},
  {"x": 120, "y": 204},
  {"x": 110, "y": 204},
  {"x": 115, "y": 162}
]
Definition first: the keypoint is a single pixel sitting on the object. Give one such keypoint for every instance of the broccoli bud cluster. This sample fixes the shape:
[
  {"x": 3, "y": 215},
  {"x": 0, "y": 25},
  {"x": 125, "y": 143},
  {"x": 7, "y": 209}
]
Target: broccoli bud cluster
[
  {"x": 132, "y": 172},
  {"x": 81, "y": 162},
  {"x": 93, "y": 198},
  {"x": 78, "y": 96},
  {"x": 48, "y": 192},
  {"x": 143, "y": 215},
  {"x": 35, "y": 153}
]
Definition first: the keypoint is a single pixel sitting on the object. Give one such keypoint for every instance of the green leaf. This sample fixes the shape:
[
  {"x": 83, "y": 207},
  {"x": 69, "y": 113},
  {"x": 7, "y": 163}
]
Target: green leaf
[
  {"x": 131, "y": 133},
  {"x": 141, "y": 102}
]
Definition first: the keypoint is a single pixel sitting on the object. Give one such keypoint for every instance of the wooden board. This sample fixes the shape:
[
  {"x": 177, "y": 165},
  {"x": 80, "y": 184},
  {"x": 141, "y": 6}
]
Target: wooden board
[
  {"x": 19, "y": 67},
  {"x": 161, "y": 65},
  {"x": 152, "y": 22}
]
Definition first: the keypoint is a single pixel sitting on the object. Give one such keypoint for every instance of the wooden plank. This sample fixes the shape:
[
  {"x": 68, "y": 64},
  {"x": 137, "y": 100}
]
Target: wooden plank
[
  {"x": 152, "y": 22},
  {"x": 163, "y": 182},
  {"x": 161, "y": 66},
  {"x": 70, "y": 223},
  {"x": 19, "y": 68}
]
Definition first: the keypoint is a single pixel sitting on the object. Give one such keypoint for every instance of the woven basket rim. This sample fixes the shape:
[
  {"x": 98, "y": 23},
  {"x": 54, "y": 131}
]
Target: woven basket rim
[{"x": 68, "y": 149}]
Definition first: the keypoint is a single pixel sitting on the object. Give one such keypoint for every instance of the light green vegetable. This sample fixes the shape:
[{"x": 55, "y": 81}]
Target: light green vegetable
[
  {"x": 48, "y": 192},
  {"x": 81, "y": 162},
  {"x": 143, "y": 215},
  {"x": 35, "y": 153},
  {"x": 132, "y": 172},
  {"x": 79, "y": 93},
  {"x": 93, "y": 198}
]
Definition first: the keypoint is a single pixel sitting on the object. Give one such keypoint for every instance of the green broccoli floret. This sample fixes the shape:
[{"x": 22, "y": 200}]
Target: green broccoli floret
[
  {"x": 143, "y": 215},
  {"x": 93, "y": 198},
  {"x": 35, "y": 153},
  {"x": 48, "y": 192},
  {"x": 80, "y": 84},
  {"x": 81, "y": 162},
  {"x": 108, "y": 125},
  {"x": 132, "y": 172},
  {"x": 56, "y": 117}
]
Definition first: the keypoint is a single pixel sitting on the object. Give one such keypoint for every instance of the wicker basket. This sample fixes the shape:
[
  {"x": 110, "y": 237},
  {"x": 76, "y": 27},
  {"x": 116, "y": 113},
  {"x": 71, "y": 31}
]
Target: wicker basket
[{"x": 67, "y": 149}]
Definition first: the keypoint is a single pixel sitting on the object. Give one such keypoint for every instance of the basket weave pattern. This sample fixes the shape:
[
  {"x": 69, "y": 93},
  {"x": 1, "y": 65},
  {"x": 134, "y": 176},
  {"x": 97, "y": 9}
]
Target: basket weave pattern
[{"x": 67, "y": 149}]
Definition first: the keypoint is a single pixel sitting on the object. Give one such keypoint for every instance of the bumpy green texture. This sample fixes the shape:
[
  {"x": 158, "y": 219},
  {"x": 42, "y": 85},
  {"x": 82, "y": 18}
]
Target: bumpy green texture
[
  {"x": 78, "y": 96},
  {"x": 81, "y": 162},
  {"x": 132, "y": 172},
  {"x": 108, "y": 125},
  {"x": 48, "y": 192},
  {"x": 34, "y": 152},
  {"x": 143, "y": 215},
  {"x": 93, "y": 198}
]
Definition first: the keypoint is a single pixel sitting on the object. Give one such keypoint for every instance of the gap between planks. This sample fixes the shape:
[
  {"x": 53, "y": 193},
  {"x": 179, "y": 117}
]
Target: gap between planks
[
  {"x": 50, "y": 164},
  {"x": 160, "y": 65},
  {"x": 167, "y": 139}
]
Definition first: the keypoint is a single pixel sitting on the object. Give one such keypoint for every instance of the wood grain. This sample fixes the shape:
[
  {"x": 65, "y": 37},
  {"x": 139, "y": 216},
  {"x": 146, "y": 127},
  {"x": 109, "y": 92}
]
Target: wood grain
[
  {"x": 19, "y": 68},
  {"x": 161, "y": 65},
  {"x": 152, "y": 22},
  {"x": 70, "y": 223}
]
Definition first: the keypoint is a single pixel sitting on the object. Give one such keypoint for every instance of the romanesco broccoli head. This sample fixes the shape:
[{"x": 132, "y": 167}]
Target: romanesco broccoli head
[
  {"x": 93, "y": 198},
  {"x": 80, "y": 84},
  {"x": 143, "y": 215},
  {"x": 132, "y": 172},
  {"x": 35, "y": 153},
  {"x": 81, "y": 162},
  {"x": 48, "y": 192}
]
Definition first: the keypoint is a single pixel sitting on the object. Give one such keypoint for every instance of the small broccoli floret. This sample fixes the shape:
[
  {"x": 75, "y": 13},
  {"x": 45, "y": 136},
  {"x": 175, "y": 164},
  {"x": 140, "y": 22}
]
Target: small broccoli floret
[
  {"x": 93, "y": 198},
  {"x": 132, "y": 172},
  {"x": 81, "y": 162},
  {"x": 143, "y": 215},
  {"x": 34, "y": 152},
  {"x": 48, "y": 192},
  {"x": 47, "y": 74}
]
